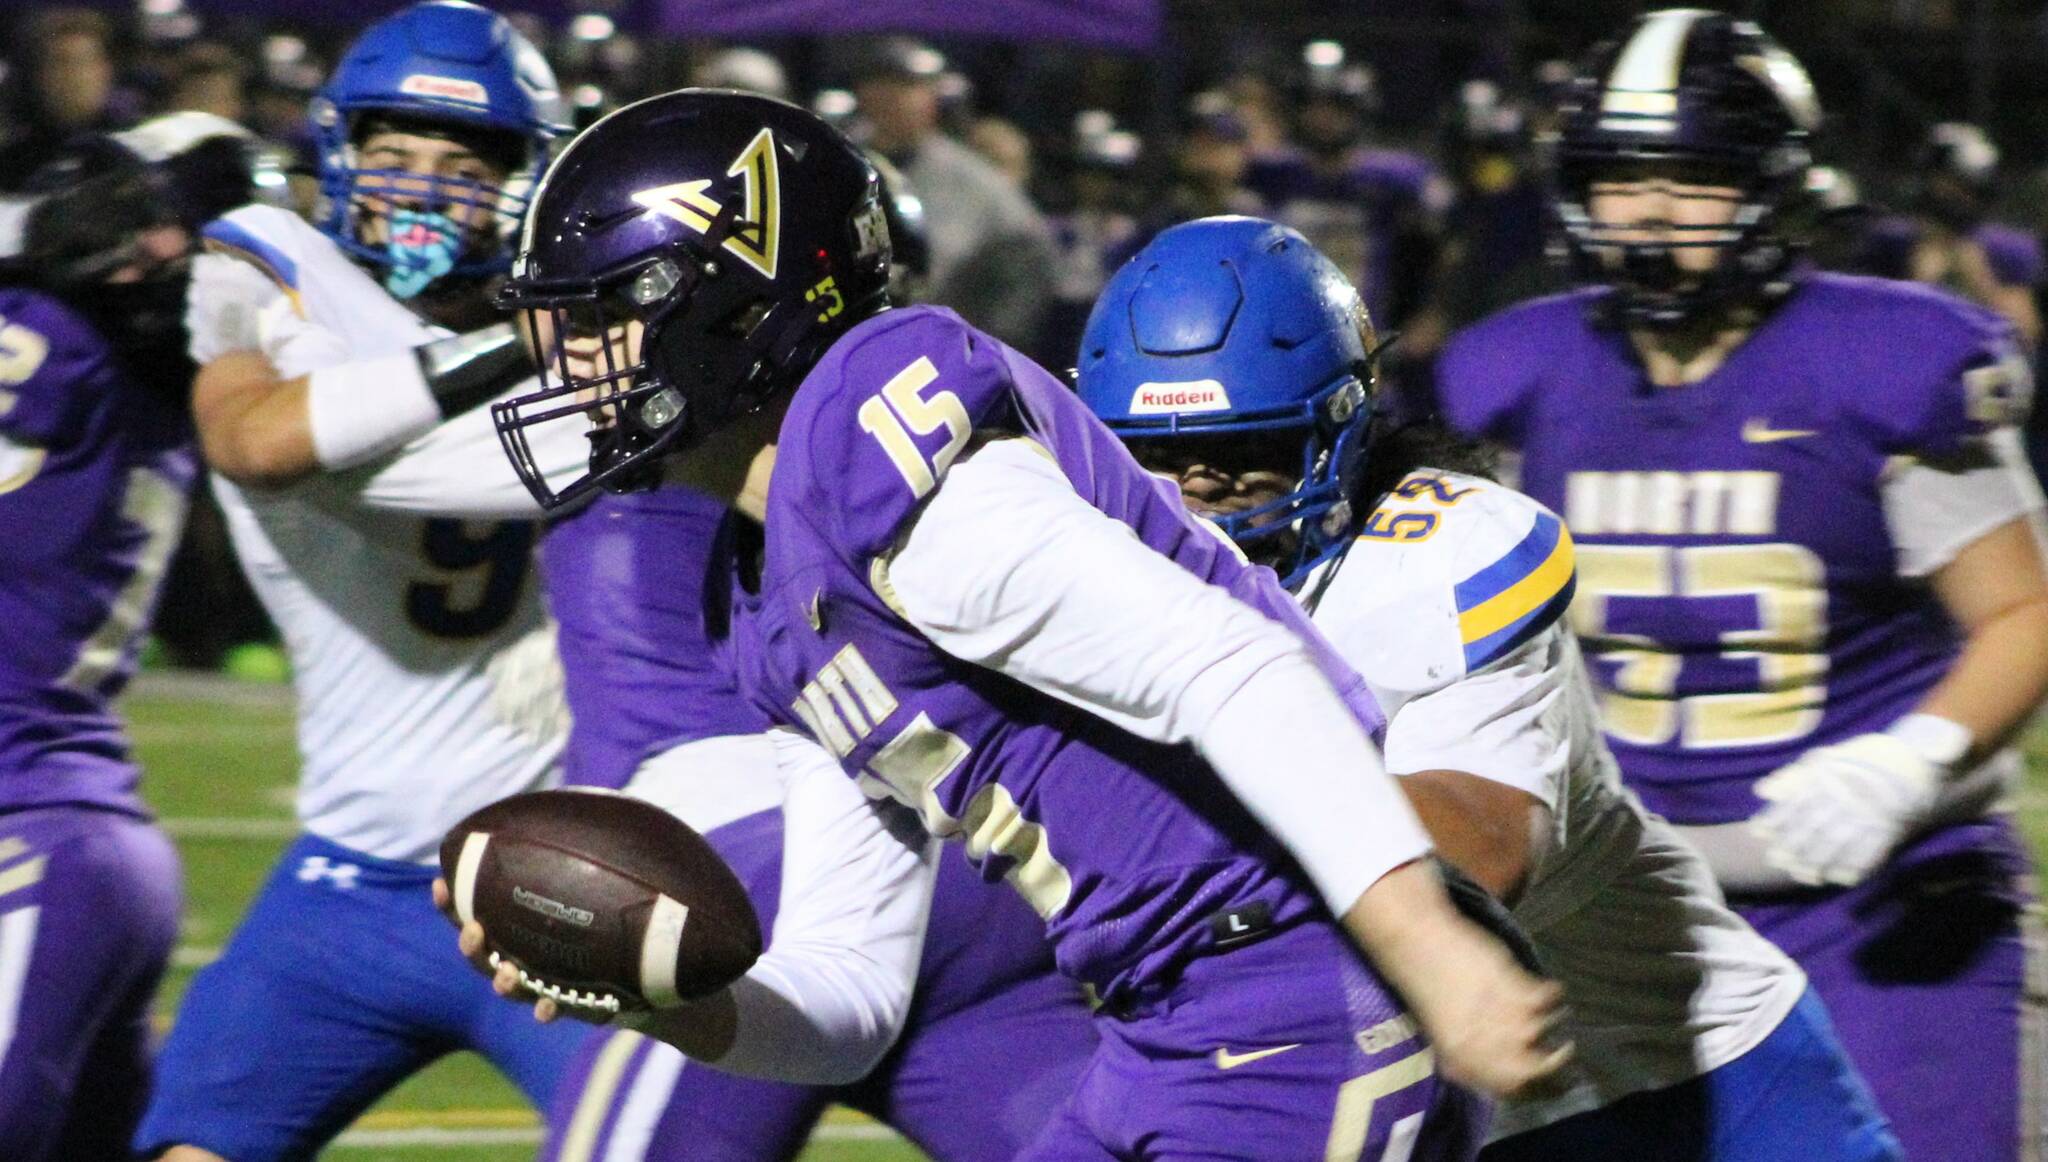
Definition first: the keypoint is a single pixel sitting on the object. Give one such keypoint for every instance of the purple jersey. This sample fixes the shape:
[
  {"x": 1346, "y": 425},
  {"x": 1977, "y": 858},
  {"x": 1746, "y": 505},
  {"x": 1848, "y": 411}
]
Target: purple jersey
[
  {"x": 1887, "y": 245},
  {"x": 1369, "y": 218},
  {"x": 1128, "y": 849},
  {"x": 1739, "y": 593},
  {"x": 95, "y": 474},
  {"x": 639, "y": 672},
  {"x": 629, "y": 581}
]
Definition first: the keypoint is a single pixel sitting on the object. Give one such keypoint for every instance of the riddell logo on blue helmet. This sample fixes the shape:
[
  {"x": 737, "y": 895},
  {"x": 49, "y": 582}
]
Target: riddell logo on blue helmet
[
  {"x": 1195, "y": 395},
  {"x": 450, "y": 88}
]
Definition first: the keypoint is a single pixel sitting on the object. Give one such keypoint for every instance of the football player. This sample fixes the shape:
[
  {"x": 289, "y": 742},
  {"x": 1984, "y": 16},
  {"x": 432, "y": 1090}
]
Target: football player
[
  {"x": 97, "y": 464},
  {"x": 1810, "y": 582},
  {"x": 320, "y": 350},
  {"x": 1949, "y": 240},
  {"x": 1377, "y": 212},
  {"x": 656, "y": 711},
  {"x": 1238, "y": 362},
  {"x": 962, "y": 588}
]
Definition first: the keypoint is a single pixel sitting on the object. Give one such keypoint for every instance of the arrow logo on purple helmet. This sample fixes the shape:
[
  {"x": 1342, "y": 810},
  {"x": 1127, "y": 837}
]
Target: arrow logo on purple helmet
[{"x": 757, "y": 239}]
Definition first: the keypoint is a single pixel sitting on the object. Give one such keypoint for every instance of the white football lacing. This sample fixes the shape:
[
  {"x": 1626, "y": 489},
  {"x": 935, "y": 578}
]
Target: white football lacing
[{"x": 601, "y": 1002}]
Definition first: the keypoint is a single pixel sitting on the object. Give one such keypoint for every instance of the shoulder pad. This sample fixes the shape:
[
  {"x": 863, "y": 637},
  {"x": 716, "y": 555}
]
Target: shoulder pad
[
  {"x": 1961, "y": 375},
  {"x": 265, "y": 237},
  {"x": 875, "y": 425},
  {"x": 1488, "y": 373},
  {"x": 1448, "y": 575}
]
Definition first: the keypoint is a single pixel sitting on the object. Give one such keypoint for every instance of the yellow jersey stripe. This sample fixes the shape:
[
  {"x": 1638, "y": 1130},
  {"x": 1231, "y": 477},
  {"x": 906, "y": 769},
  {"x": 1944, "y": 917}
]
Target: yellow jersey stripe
[{"x": 1524, "y": 597}]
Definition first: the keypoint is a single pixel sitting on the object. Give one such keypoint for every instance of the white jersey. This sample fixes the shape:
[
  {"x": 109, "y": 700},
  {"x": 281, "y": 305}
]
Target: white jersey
[
  {"x": 399, "y": 617},
  {"x": 1451, "y": 607}
]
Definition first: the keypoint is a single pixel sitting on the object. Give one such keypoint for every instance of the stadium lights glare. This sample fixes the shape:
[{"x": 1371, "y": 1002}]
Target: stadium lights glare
[
  {"x": 284, "y": 50},
  {"x": 1323, "y": 54},
  {"x": 834, "y": 103},
  {"x": 592, "y": 26}
]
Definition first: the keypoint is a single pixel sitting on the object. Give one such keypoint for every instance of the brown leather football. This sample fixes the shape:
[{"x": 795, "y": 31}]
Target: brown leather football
[{"x": 601, "y": 900}]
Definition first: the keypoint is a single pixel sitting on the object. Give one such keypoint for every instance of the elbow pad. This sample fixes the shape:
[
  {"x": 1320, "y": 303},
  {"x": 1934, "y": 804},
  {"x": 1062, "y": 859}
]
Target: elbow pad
[
  {"x": 463, "y": 371},
  {"x": 358, "y": 411}
]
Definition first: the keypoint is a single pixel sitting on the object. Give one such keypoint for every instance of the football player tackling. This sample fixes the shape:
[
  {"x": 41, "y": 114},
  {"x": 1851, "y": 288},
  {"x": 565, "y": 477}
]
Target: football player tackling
[
  {"x": 964, "y": 589},
  {"x": 1238, "y": 363},
  {"x": 320, "y": 352},
  {"x": 1810, "y": 582}
]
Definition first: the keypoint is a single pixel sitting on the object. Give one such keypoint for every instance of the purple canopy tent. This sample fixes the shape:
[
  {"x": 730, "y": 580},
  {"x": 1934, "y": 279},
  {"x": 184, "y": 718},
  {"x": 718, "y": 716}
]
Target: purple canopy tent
[
  {"x": 1131, "y": 25},
  {"x": 1128, "y": 25},
  {"x": 631, "y": 14}
]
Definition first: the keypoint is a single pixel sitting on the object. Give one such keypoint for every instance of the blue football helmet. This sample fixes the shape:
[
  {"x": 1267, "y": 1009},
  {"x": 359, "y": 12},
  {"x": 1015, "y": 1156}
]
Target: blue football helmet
[
  {"x": 1719, "y": 98},
  {"x": 1236, "y": 327},
  {"x": 741, "y": 233},
  {"x": 442, "y": 65}
]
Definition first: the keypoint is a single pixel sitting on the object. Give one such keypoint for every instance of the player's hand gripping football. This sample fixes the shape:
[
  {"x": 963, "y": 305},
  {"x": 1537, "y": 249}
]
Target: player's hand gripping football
[
  {"x": 1493, "y": 1025},
  {"x": 1834, "y": 814},
  {"x": 506, "y": 978}
]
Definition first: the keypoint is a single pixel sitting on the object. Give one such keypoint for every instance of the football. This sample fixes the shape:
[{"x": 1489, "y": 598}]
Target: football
[{"x": 602, "y": 901}]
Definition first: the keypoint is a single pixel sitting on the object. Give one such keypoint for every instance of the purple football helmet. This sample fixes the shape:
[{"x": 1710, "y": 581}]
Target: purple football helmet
[
  {"x": 736, "y": 235},
  {"x": 1707, "y": 92}
]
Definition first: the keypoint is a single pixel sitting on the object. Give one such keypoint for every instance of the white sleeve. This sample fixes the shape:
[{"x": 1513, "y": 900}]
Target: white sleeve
[
  {"x": 1504, "y": 723},
  {"x": 458, "y": 469},
  {"x": 1008, "y": 568},
  {"x": 224, "y": 306},
  {"x": 1936, "y": 511},
  {"x": 830, "y": 995},
  {"x": 234, "y": 306}
]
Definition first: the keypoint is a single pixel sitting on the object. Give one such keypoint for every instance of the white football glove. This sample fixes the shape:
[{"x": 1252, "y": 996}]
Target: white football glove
[{"x": 1836, "y": 812}]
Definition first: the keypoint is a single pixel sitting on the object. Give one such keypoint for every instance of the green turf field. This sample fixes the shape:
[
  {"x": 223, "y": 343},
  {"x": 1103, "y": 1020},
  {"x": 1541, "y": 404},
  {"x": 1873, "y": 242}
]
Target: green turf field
[{"x": 220, "y": 763}]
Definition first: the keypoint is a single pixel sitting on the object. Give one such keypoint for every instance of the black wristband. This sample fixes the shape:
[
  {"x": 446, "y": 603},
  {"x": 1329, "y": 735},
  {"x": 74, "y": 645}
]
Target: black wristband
[
  {"x": 463, "y": 371},
  {"x": 1480, "y": 907}
]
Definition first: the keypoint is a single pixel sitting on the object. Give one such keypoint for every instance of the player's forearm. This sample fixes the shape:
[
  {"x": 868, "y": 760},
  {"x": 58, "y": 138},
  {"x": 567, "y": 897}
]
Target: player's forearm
[
  {"x": 2017, "y": 305},
  {"x": 1394, "y": 920},
  {"x": 832, "y": 992},
  {"x": 253, "y": 426},
  {"x": 1292, "y": 753},
  {"x": 822, "y": 1018},
  {"x": 261, "y": 429},
  {"x": 704, "y": 1030},
  {"x": 1999, "y": 679},
  {"x": 1488, "y": 830}
]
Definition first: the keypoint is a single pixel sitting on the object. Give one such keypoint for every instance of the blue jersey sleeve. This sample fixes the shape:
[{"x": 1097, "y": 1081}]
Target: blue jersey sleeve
[
  {"x": 55, "y": 372},
  {"x": 881, "y": 419}
]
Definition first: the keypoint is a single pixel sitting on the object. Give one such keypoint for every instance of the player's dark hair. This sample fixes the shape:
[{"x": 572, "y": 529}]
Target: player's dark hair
[
  {"x": 1395, "y": 448},
  {"x": 503, "y": 150}
]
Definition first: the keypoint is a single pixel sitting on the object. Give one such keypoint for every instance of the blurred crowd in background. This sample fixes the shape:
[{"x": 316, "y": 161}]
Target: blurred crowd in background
[{"x": 1407, "y": 146}]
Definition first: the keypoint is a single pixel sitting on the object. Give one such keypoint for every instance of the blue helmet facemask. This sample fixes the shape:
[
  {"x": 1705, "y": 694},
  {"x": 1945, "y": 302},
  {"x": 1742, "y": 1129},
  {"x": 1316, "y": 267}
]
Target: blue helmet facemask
[{"x": 449, "y": 68}]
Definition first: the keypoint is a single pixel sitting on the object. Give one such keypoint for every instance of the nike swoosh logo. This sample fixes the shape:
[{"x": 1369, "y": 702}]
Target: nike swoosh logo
[
  {"x": 1225, "y": 1059},
  {"x": 1761, "y": 432}
]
